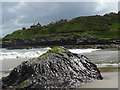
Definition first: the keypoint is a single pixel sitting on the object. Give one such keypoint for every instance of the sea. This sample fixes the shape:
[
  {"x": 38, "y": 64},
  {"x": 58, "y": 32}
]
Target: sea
[
  {"x": 35, "y": 52},
  {"x": 9, "y": 59}
]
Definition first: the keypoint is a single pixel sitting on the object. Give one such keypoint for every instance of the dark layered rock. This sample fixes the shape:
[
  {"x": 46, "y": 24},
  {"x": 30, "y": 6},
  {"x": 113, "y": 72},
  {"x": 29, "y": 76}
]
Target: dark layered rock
[
  {"x": 57, "y": 40},
  {"x": 57, "y": 68}
]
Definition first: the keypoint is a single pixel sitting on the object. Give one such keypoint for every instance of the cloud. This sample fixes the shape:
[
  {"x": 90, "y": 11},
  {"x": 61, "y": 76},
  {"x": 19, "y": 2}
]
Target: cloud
[
  {"x": 61, "y": 0},
  {"x": 107, "y": 6},
  {"x": 0, "y": 19},
  {"x": 119, "y": 6},
  {"x": 17, "y": 7},
  {"x": 16, "y": 15}
]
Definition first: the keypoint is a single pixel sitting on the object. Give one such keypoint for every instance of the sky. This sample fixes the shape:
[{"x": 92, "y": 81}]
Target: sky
[{"x": 15, "y": 15}]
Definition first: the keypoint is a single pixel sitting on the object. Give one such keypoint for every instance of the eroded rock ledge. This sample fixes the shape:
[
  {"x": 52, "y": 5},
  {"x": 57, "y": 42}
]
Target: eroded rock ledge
[{"x": 57, "y": 68}]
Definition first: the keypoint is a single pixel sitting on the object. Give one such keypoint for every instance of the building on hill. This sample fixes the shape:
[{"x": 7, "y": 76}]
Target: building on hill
[
  {"x": 35, "y": 25},
  {"x": 23, "y": 28},
  {"x": 38, "y": 24}
]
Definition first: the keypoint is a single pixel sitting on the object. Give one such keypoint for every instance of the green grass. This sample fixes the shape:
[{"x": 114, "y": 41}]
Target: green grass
[
  {"x": 8, "y": 41},
  {"x": 103, "y": 26},
  {"x": 115, "y": 27},
  {"x": 43, "y": 55},
  {"x": 55, "y": 49},
  {"x": 24, "y": 83}
]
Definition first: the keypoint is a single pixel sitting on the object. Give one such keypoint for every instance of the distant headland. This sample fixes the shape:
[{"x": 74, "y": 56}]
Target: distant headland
[{"x": 84, "y": 30}]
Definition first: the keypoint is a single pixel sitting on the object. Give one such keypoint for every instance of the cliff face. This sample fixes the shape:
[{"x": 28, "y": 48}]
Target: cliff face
[
  {"x": 57, "y": 41},
  {"x": 58, "y": 68}
]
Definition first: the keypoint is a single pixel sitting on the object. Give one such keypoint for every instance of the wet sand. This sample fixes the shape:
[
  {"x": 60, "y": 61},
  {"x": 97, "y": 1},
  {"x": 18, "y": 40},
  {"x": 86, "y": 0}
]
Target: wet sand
[
  {"x": 110, "y": 81},
  {"x": 8, "y": 64},
  {"x": 3, "y": 75},
  {"x": 110, "y": 78}
]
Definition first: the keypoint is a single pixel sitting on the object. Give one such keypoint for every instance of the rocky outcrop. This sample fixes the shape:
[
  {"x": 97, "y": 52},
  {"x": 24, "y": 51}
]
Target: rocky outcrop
[
  {"x": 57, "y": 68},
  {"x": 56, "y": 40}
]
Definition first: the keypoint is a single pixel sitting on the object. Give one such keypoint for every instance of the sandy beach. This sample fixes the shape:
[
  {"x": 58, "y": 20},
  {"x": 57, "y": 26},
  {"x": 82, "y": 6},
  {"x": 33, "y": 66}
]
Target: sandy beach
[
  {"x": 110, "y": 78},
  {"x": 110, "y": 81},
  {"x": 110, "y": 74},
  {"x": 8, "y": 64}
]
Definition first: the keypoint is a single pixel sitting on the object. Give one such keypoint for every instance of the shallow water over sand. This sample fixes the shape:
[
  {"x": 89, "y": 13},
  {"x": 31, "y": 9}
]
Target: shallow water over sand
[
  {"x": 99, "y": 57},
  {"x": 103, "y": 56},
  {"x": 110, "y": 81}
]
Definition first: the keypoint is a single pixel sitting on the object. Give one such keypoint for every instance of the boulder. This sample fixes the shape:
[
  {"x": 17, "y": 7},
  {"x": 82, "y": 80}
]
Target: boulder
[{"x": 57, "y": 68}]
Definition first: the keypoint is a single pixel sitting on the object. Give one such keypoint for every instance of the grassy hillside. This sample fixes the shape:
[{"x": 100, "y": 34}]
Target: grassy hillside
[{"x": 107, "y": 27}]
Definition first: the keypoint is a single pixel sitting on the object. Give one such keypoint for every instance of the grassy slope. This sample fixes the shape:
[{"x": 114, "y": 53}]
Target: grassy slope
[{"x": 105, "y": 26}]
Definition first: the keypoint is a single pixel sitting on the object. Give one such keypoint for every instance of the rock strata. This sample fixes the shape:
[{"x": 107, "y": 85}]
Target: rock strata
[
  {"x": 55, "y": 41},
  {"x": 57, "y": 68}
]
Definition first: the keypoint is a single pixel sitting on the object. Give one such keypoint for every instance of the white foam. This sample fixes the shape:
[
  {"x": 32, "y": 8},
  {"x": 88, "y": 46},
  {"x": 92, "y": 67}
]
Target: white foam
[
  {"x": 108, "y": 64},
  {"x": 32, "y": 53},
  {"x": 78, "y": 51},
  {"x": 24, "y": 53}
]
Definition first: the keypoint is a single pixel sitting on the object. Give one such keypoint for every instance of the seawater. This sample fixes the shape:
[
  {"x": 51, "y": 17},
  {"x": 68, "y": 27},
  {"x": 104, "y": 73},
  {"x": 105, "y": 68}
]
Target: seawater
[
  {"x": 32, "y": 53},
  {"x": 12, "y": 58},
  {"x": 22, "y": 53}
]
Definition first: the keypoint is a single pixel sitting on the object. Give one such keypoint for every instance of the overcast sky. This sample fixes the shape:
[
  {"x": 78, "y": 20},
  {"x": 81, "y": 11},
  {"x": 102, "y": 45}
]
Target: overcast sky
[{"x": 16, "y": 15}]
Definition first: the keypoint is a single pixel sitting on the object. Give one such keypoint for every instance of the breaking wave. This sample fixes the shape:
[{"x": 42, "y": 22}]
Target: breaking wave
[{"x": 32, "y": 53}]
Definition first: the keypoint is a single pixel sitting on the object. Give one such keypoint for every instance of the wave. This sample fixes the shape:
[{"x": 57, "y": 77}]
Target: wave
[
  {"x": 24, "y": 53},
  {"x": 78, "y": 51},
  {"x": 32, "y": 53},
  {"x": 108, "y": 64}
]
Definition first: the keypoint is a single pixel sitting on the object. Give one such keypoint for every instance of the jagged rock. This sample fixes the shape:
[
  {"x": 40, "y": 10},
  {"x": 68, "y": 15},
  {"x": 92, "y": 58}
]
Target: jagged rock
[{"x": 57, "y": 68}]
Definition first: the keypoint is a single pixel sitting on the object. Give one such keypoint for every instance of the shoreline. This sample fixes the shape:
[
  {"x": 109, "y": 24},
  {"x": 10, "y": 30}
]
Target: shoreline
[
  {"x": 110, "y": 81},
  {"x": 107, "y": 82},
  {"x": 99, "y": 57},
  {"x": 8, "y": 64},
  {"x": 109, "y": 76}
]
